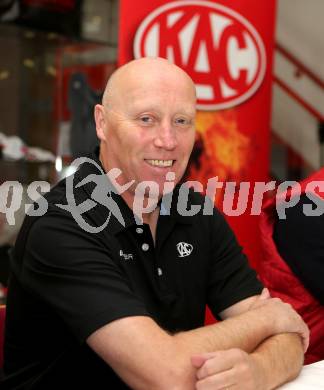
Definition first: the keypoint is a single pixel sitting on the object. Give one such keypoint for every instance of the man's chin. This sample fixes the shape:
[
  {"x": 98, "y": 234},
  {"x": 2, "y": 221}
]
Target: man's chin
[
  {"x": 156, "y": 186},
  {"x": 149, "y": 192}
]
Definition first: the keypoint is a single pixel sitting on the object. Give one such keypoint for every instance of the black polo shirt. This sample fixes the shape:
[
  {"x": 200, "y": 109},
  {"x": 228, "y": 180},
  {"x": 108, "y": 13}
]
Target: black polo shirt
[{"x": 66, "y": 282}]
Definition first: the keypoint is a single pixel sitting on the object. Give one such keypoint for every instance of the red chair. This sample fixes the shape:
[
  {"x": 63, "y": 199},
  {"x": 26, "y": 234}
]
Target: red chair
[{"x": 2, "y": 324}]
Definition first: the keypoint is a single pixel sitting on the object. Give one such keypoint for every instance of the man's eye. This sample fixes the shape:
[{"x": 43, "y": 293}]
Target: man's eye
[
  {"x": 182, "y": 121},
  {"x": 146, "y": 119}
]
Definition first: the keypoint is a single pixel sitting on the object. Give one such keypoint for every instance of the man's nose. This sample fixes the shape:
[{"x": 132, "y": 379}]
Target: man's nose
[{"x": 166, "y": 137}]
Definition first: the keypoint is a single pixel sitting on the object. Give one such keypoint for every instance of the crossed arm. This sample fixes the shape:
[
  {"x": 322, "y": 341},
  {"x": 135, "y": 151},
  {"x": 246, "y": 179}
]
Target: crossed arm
[{"x": 257, "y": 344}]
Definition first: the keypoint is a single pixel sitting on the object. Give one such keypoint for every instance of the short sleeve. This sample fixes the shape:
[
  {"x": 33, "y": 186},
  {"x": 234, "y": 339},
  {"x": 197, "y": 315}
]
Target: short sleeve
[
  {"x": 75, "y": 274},
  {"x": 231, "y": 279}
]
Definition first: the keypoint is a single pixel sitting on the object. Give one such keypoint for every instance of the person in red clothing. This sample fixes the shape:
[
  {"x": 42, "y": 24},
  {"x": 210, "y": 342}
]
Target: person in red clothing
[{"x": 293, "y": 263}]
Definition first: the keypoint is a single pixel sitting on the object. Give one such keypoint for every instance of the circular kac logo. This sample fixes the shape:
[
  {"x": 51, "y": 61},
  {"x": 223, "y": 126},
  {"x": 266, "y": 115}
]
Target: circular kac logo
[
  {"x": 219, "y": 48},
  {"x": 184, "y": 249}
]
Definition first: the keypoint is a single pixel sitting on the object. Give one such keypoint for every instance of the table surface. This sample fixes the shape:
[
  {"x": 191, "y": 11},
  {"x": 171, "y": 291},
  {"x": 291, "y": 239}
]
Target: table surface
[{"x": 310, "y": 378}]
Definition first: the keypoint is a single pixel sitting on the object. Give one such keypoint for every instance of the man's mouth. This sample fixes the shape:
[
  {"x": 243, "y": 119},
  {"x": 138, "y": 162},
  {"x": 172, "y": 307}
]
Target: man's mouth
[{"x": 160, "y": 163}]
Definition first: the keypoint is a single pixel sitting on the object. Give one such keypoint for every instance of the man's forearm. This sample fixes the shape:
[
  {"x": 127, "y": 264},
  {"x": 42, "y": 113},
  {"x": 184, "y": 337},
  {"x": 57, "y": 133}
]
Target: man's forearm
[
  {"x": 171, "y": 357},
  {"x": 262, "y": 332},
  {"x": 279, "y": 359},
  {"x": 245, "y": 331}
]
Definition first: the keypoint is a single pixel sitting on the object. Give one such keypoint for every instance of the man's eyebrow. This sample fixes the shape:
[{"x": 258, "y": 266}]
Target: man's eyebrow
[
  {"x": 189, "y": 112},
  {"x": 137, "y": 110}
]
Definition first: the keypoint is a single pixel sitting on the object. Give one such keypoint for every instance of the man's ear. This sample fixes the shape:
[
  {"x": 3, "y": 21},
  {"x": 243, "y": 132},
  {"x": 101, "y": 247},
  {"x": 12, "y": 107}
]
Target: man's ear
[{"x": 100, "y": 119}]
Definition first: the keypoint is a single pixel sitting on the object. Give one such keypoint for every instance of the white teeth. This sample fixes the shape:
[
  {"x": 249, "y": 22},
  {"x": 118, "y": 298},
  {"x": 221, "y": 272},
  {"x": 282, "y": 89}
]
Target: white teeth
[{"x": 160, "y": 163}]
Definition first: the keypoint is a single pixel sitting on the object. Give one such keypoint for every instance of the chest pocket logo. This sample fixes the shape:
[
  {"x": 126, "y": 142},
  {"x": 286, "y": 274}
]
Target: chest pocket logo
[
  {"x": 184, "y": 249},
  {"x": 126, "y": 256}
]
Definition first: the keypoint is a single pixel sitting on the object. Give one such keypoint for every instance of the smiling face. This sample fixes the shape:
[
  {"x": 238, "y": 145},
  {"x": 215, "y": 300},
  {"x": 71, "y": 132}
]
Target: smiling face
[{"x": 146, "y": 125}]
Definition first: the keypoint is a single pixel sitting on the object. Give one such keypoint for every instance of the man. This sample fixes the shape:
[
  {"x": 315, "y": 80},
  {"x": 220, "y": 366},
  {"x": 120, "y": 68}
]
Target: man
[{"x": 124, "y": 307}]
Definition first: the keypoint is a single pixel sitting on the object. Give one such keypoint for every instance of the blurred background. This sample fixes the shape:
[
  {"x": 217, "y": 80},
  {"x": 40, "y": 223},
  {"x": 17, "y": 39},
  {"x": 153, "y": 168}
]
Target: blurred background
[{"x": 56, "y": 57}]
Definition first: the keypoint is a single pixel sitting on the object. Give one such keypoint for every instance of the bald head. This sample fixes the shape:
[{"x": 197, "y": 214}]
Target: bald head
[{"x": 144, "y": 70}]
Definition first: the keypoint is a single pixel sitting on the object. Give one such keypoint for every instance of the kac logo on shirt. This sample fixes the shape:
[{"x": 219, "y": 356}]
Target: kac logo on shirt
[{"x": 184, "y": 249}]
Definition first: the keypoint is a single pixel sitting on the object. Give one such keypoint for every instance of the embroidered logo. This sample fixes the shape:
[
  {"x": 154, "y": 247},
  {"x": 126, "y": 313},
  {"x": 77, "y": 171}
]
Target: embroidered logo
[
  {"x": 184, "y": 249},
  {"x": 125, "y": 256}
]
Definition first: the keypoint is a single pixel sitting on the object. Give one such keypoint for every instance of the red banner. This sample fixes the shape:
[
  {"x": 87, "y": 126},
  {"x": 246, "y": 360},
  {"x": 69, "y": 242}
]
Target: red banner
[{"x": 226, "y": 47}]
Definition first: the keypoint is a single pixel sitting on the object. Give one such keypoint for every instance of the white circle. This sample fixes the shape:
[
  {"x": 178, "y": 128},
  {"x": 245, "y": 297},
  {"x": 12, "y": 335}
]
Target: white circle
[
  {"x": 263, "y": 59},
  {"x": 145, "y": 247}
]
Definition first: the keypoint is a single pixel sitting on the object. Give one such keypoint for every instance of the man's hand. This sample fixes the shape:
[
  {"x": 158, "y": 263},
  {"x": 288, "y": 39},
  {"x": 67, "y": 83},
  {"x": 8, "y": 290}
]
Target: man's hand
[
  {"x": 228, "y": 369},
  {"x": 260, "y": 330},
  {"x": 282, "y": 315}
]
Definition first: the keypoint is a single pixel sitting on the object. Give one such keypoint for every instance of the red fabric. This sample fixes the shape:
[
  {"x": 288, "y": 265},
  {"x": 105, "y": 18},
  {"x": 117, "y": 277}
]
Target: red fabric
[
  {"x": 2, "y": 321},
  {"x": 282, "y": 283}
]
